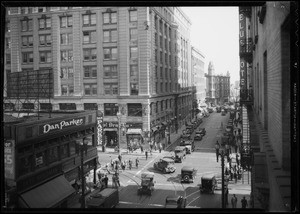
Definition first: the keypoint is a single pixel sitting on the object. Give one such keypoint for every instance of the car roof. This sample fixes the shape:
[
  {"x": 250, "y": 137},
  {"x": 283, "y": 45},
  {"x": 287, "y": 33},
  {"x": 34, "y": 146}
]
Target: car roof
[
  {"x": 207, "y": 176},
  {"x": 187, "y": 168},
  {"x": 179, "y": 147},
  {"x": 173, "y": 197},
  {"x": 147, "y": 175},
  {"x": 167, "y": 159}
]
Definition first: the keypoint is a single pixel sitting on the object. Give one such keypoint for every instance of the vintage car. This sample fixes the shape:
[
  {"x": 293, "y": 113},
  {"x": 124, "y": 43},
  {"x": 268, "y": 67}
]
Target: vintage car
[
  {"x": 198, "y": 135},
  {"x": 189, "y": 145},
  {"x": 223, "y": 112},
  {"x": 180, "y": 153},
  {"x": 188, "y": 174},
  {"x": 147, "y": 183},
  {"x": 208, "y": 184},
  {"x": 175, "y": 201},
  {"x": 165, "y": 165},
  {"x": 210, "y": 110},
  {"x": 218, "y": 109},
  {"x": 202, "y": 131},
  {"x": 186, "y": 136}
]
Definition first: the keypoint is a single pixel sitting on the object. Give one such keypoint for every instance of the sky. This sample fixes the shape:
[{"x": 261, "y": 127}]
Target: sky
[{"x": 215, "y": 33}]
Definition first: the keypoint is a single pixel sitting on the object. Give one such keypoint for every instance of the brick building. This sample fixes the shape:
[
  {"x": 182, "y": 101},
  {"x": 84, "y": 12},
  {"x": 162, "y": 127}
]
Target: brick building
[
  {"x": 265, "y": 91},
  {"x": 131, "y": 60}
]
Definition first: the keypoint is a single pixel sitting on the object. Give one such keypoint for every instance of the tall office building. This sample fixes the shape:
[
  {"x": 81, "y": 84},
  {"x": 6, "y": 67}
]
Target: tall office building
[{"x": 131, "y": 63}]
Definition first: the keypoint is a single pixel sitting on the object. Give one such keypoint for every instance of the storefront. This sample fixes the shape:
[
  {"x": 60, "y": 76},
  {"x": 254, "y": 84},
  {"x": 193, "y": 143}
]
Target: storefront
[
  {"x": 134, "y": 135},
  {"x": 47, "y": 157},
  {"x": 110, "y": 134}
]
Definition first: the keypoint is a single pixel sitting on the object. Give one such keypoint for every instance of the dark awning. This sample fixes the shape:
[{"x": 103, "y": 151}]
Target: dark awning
[{"x": 49, "y": 194}]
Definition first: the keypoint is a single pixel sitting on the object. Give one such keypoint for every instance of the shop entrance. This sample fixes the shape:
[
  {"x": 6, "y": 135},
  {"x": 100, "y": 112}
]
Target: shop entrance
[
  {"x": 134, "y": 140},
  {"x": 111, "y": 139}
]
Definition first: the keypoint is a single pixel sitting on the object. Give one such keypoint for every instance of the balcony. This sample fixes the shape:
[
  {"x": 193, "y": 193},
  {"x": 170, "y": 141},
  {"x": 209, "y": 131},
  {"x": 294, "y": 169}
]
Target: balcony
[{"x": 246, "y": 96}]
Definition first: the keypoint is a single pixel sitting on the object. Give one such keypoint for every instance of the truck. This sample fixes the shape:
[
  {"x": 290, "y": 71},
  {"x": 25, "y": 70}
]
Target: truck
[{"x": 107, "y": 198}]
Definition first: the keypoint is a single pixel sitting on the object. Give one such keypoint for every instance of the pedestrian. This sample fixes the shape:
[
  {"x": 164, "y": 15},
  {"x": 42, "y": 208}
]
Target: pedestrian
[
  {"x": 235, "y": 176},
  {"x": 120, "y": 158},
  {"x": 227, "y": 149},
  {"x": 237, "y": 159},
  {"x": 146, "y": 154},
  {"x": 231, "y": 174},
  {"x": 217, "y": 146},
  {"x": 229, "y": 161},
  {"x": 113, "y": 181},
  {"x": 105, "y": 179},
  {"x": 130, "y": 164},
  {"x": 244, "y": 203},
  {"x": 159, "y": 147},
  {"x": 233, "y": 201},
  {"x": 155, "y": 146},
  {"x": 142, "y": 149},
  {"x": 117, "y": 180},
  {"x": 137, "y": 162}
]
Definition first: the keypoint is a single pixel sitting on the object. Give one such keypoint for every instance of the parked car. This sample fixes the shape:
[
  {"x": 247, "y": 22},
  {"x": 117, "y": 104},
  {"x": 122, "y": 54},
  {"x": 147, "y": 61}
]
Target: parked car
[
  {"x": 175, "y": 201},
  {"x": 165, "y": 165},
  {"x": 147, "y": 183},
  {"x": 208, "y": 184},
  {"x": 189, "y": 145},
  {"x": 188, "y": 174},
  {"x": 202, "y": 131},
  {"x": 180, "y": 153},
  {"x": 186, "y": 136},
  {"x": 198, "y": 135}
]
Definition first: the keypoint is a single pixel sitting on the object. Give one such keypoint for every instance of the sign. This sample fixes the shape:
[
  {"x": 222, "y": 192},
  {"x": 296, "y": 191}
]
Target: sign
[
  {"x": 44, "y": 129},
  {"x": 242, "y": 34},
  {"x": 243, "y": 73},
  {"x": 134, "y": 125},
  {"x": 99, "y": 128},
  {"x": 110, "y": 125},
  {"x": 9, "y": 159}
]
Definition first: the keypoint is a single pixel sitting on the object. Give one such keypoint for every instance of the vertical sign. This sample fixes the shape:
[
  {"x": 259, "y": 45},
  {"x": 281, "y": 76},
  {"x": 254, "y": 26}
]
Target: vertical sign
[
  {"x": 9, "y": 159},
  {"x": 242, "y": 32},
  {"x": 99, "y": 128}
]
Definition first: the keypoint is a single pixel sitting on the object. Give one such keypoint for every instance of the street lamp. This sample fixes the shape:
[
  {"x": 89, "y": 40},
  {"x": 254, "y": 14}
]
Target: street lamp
[
  {"x": 82, "y": 145},
  {"x": 223, "y": 154},
  {"x": 119, "y": 128}
]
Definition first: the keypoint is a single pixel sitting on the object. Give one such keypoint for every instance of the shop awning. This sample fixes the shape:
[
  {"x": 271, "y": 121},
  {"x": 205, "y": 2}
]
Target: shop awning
[
  {"x": 49, "y": 194},
  {"x": 134, "y": 131}
]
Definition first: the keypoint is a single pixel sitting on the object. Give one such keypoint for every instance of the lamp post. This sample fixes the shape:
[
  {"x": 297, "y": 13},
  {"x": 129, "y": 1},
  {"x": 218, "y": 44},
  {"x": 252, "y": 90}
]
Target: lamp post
[
  {"x": 82, "y": 145},
  {"x": 222, "y": 154},
  {"x": 119, "y": 129}
]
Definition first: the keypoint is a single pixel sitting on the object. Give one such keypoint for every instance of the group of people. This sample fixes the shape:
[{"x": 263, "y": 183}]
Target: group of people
[{"x": 234, "y": 201}]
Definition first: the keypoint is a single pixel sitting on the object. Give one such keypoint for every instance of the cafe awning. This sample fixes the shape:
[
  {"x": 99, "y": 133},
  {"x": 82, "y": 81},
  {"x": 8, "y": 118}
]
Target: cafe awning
[{"x": 48, "y": 194}]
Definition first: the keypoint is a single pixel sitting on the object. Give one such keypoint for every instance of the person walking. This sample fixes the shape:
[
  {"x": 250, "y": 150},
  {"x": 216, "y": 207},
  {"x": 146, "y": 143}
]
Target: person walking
[
  {"x": 120, "y": 158},
  {"x": 237, "y": 159},
  {"x": 159, "y": 147},
  {"x": 117, "y": 180},
  {"x": 142, "y": 149},
  {"x": 146, "y": 154},
  {"x": 244, "y": 203},
  {"x": 233, "y": 201},
  {"x": 155, "y": 146},
  {"x": 227, "y": 149},
  {"x": 105, "y": 179},
  {"x": 137, "y": 162},
  {"x": 217, "y": 147},
  {"x": 130, "y": 164}
]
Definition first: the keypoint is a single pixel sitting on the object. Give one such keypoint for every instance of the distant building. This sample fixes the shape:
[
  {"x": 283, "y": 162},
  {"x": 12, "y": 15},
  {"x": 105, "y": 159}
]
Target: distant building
[{"x": 217, "y": 86}]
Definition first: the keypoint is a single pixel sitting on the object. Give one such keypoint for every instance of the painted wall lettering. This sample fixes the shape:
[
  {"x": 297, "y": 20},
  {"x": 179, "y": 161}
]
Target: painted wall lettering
[{"x": 46, "y": 128}]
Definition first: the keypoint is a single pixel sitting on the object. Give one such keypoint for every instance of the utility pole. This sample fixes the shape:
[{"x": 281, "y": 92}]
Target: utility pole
[{"x": 223, "y": 189}]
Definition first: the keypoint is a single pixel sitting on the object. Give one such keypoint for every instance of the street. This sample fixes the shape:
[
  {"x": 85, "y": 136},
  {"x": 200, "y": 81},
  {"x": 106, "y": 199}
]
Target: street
[{"x": 203, "y": 159}]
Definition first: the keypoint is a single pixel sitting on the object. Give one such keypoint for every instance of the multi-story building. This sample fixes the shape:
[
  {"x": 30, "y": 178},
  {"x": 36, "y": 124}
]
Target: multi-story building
[
  {"x": 265, "y": 96},
  {"x": 131, "y": 60},
  {"x": 198, "y": 73},
  {"x": 218, "y": 86}
]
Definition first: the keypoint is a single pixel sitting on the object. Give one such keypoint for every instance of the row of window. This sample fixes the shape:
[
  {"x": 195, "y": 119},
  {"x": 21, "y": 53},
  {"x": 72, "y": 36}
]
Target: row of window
[{"x": 44, "y": 23}]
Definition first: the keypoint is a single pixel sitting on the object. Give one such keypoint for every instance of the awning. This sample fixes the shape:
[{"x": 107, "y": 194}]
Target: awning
[
  {"x": 134, "y": 131},
  {"x": 49, "y": 194}
]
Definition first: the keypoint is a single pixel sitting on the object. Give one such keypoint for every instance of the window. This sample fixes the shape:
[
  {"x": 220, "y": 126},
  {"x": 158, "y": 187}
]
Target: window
[
  {"x": 89, "y": 19},
  {"x": 52, "y": 154},
  {"x": 7, "y": 27},
  {"x": 134, "y": 109},
  {"x": 26, "y": 25},
  {"x": 29, "y": 131},
  {"x": 45, "y": 40},
  {"x": 133, "y": 15},
  {"x": 111, "y": 109},
  {"x": 89, "y": 37},
  {"x": 66, "y": 38},
  {"x": 110, "y": 88},
  {"x": 134, "y": 89},
  {"x": 64, "y": 151},
  {"x": 66, "y": 21},
  {"x": 25, "y": 165},
  {"x": 110, "y": 35},
  {"x": 8, "y": 42},
  {"x": 90, "y": 71},
  {"x": 110, "y": 18},
  {"x": 134, "y": 73},
  {"x": 67, "y": 106},
  {"x": 66, "y": 55},
  {"x": 110, "y": 53},
  {"x": 90, "y": 89},
  {"x": 45, "y": 56},
  {"x": 90, "y": 54},
  {"x": 72, "y": 146},
  {"x": 67, "y": 90},
  {"x": 133, "y": 33},
  {"x": 46, "y": 106},
  {"x": 133, "y": 52},
  {"x": 90, "y": 106},
  {"x": 7, "y": 59},
  {"x": 44, "y": 23},
  {"x": 27, "y": 57},
  {"x": 110, "y": 72},
  {"x": 67, "y": 73}
]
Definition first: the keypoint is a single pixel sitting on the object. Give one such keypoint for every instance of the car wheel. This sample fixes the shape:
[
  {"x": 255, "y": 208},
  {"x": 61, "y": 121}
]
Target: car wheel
[{"x": 186, "y": 178}]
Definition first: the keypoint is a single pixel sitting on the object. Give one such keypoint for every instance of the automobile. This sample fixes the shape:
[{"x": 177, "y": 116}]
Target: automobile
[
  {"x": 175, "y": 201},
  {"x": 188, "y": 174},
  {"x": 218, "y": 109},
  {"x": 208, "y": 184},
  {"x": 198, "y": 135},
  {"x": 189, "y": 145},
  {"x": 223, "y": 113},
  {"x": 202, "y": 131},
  {"x": 147, "y": 183},
  {"x": 210, "y": 110},
  {"x": 165, "y": 165},
  {"x": 106, "y": 198},
  {"x": 180, "y": 153},
  {"x": 186, "y": 136}
]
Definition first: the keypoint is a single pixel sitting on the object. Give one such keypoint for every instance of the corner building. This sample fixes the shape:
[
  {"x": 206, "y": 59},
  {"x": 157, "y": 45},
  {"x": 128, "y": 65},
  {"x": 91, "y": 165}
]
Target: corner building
[{"x": 132, "y": 60}]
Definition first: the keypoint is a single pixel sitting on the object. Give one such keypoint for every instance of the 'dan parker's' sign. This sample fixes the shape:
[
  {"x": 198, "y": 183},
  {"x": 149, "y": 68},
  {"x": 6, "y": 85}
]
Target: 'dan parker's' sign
[{"x": 46, "y": 128}]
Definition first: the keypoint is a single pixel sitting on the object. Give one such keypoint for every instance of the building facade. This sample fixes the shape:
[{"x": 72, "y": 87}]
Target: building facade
[
  {"x": 131, "y": 60},
  {"x": 217, "y": 86},
  {"x": 199, "y": 80},
  {"x": 265, "y": 92}
]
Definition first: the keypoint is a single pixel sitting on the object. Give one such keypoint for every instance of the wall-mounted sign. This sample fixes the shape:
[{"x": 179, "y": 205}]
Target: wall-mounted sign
[
  {"x": 9, "y": 159},
  {"x": 110, "y": 125},
  {"x": 134, "y": 125},
  {"x": 46, "y": 128},
  {"x": 99, "y": 128},
  {"x": 242, "y": 29},
  {"x": 243, "y": 73}
]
